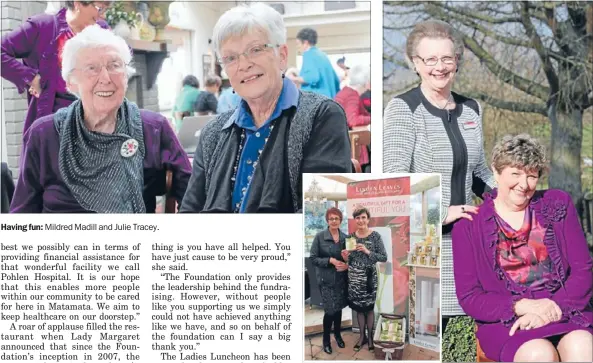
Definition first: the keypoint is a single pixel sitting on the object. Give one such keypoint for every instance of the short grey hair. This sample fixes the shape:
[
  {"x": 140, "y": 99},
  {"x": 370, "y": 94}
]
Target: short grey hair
[
  {"x": 434, "y": 29},
  {"x": 522, "y": 152},
  {"x": 359, "y": 75},
  {"x": 93, "y": 37},
  {"x": 213, "y": 80},
  {"x": 243, "y": 19}
]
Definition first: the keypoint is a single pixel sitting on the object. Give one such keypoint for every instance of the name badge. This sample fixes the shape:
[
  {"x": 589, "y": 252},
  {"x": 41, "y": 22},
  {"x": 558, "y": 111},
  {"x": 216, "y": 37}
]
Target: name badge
[{"x": 470, "y": 125}]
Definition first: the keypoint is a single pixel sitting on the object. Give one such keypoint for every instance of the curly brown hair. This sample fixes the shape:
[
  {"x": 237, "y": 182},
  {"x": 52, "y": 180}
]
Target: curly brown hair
[{"x": 521, "y": 151}]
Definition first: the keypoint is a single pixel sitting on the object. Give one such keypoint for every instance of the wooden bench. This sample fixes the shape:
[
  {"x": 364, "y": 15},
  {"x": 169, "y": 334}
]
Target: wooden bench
[
  {"x": 359, "y": 137},
  {"x": 170, "y": 202}
]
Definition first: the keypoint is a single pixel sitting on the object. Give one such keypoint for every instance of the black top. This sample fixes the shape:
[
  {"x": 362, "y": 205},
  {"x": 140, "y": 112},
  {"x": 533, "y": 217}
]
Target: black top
[
  {"x": 323, "y": 248},
  {"x": 206, "y": 102}
]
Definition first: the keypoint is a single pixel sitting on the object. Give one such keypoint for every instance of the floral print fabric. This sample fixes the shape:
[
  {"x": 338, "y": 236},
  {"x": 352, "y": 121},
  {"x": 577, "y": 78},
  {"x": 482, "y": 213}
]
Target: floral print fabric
[{"x": 522, "y": 254}]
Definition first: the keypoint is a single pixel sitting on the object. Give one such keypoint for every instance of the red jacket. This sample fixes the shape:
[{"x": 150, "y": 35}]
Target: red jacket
[{"x": 356, "y": 115}]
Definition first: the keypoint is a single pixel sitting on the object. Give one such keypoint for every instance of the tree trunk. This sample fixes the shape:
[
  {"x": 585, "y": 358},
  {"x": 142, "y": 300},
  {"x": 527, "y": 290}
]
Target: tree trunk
[{"x": 565, "y": 153}]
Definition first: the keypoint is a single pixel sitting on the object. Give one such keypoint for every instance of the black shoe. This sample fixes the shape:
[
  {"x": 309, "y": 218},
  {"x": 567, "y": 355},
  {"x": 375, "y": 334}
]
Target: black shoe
[
  {"x": 357, "y": 346},
  {"x": 340, "y": 341},
  {"x": 371, "y": 347},
  {"x": 327, "y": 349}
]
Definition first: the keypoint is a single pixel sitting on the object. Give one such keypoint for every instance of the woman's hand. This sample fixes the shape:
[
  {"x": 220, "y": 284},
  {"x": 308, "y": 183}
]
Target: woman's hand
[
  {"x": 35, "y": 86},
  {"x": 339, "y": 265},
  {"x": 546, "y": 309},
  {"x": 527, "y": 322},
  {"x": 362, "y": 248},
  {"x": 454, "y": 212},
  {"x": 345, "y": 254}
]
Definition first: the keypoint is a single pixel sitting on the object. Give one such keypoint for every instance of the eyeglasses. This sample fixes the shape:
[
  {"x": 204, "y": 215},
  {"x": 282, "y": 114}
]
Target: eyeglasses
[
  {"x": 100, "y": 9},
  {"x": 250, "y": 54},
  {"x": 93, "y": 70},
  {"x": 333, "y": 219},
  {"x": 432, "y": 61}
]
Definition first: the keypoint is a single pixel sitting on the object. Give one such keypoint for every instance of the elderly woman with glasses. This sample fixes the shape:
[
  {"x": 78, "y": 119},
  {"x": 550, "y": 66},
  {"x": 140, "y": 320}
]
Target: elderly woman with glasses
[
  {"x": 250, "y": 159},
  {"x": 39, "y": 42},
  {"x": 431, "y": 129},
  {"x": 102, "y": 153}
]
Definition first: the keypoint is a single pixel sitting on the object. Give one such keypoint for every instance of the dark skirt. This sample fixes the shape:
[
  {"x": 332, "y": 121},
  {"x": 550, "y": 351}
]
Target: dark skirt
[{"x": 335, "y": 297}]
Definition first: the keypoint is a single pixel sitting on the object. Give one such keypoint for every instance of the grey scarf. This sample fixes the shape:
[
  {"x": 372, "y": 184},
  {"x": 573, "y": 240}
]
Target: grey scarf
[{"x": 93, "y": 164}]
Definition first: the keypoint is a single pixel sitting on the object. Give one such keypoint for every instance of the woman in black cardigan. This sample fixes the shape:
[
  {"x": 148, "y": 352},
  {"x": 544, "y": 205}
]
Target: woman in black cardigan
[{"x": 332, "y": 275}]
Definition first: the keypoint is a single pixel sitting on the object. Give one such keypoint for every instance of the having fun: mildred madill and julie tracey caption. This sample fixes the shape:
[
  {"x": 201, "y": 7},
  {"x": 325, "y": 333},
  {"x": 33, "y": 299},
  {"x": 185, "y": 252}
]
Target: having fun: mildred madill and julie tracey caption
[{"x": 79, "y": 227}]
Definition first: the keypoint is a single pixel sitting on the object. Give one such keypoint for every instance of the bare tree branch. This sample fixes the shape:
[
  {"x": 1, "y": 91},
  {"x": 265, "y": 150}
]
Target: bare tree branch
[
  {"x": 539, "y": 47},
  {"x": 504, "y": 74},
  {"x": 469, "y": 22},
  {"x": 476, "y": 15},
  {"x": 508, "y": 105}
]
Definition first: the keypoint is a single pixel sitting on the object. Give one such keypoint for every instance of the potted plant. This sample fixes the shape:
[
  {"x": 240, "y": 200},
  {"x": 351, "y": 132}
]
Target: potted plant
[{"x": 120, "y": 20}]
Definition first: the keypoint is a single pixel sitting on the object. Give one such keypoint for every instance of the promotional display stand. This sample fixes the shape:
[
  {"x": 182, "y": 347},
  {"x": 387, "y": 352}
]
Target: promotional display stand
[{"x": 424, "y": 297}]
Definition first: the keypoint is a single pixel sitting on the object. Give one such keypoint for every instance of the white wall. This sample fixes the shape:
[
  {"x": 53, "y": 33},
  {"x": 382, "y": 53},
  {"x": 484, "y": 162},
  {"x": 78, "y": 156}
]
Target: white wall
[{"x": 204, "y": 18}]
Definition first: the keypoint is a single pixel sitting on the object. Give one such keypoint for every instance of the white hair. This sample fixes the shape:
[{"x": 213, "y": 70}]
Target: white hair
[
  {"x": 93, "y": 37},
  {"x": 359, "y": 75},
  {"x": 247, "y": 18}
]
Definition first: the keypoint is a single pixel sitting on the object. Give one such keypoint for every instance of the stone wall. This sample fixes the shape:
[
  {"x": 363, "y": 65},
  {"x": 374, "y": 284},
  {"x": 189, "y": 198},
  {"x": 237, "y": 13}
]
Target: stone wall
[{"x": 150, "y": 98}]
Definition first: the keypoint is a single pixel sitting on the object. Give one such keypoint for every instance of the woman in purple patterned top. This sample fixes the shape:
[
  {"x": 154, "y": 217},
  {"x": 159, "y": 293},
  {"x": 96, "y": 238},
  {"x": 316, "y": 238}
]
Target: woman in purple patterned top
[
  {"x": 38, "y": 42},
  {"x": 522, "y": 266}
]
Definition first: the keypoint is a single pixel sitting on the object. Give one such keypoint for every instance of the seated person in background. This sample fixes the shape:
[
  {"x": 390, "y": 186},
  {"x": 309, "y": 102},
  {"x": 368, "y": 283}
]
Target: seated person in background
[
  {"x": 228, "y": 100},
  {"x": 251, "y": 159},
  {"x": 343, "y": 72},
  {"x": 522, "y": 267},
  {"x": 349, "y": 99},
  {"x": 366, "y": 100},
  {"x": 102, "y": 153},
  {"x": 186, "y": 99},
  {"x": 206, "y": 103},
  {"x": 7, "y": 189}
]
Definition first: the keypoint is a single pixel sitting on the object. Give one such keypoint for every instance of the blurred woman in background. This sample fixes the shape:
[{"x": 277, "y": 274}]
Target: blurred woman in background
[
  {"x": 186, "y": 99},
  {"x": 207, "y": 103},
  {"x": 349, "y": 98}
]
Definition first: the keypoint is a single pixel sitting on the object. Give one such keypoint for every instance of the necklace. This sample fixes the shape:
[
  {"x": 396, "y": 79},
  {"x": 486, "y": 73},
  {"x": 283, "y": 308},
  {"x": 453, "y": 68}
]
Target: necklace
[
  {"x": 268, "y": 132},
  {"x": 448, "y": 101}
]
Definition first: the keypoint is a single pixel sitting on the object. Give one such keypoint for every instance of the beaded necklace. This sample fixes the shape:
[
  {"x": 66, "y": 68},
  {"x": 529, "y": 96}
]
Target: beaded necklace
[{"x": 268, "y": 131}]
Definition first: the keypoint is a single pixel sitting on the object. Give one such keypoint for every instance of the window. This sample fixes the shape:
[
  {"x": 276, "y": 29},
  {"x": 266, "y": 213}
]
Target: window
[
  {"x": 339, "y": 5},
  {"x": 174, "y": 69}
]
